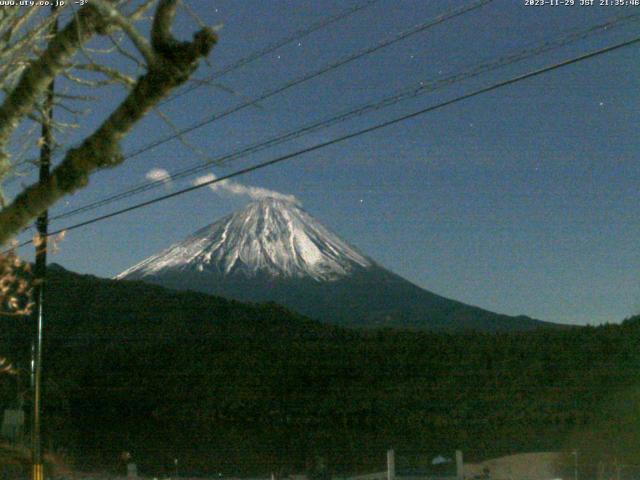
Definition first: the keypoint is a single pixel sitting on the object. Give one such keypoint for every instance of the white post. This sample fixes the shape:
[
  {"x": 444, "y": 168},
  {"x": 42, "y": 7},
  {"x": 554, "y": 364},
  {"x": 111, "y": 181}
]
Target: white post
[
  {"x": 391, "y": 464},
  {"x": 132, "y": 470},
  {"x": 459, "y": 465}
]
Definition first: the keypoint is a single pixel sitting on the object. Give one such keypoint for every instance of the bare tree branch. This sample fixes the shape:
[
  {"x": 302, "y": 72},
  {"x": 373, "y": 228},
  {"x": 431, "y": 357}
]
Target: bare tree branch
[
  {"x": 37, "y": 76},
  {"x": 12, "y": 49},
  {"x": 138, "y": 13},
  {"x": 115, "y": 75},
  {"x": 175, "y": 62},
  {"x": 127, "y": 26},
  {"x": 180, "y": 137},
  {"x": 118, "y": 46}
]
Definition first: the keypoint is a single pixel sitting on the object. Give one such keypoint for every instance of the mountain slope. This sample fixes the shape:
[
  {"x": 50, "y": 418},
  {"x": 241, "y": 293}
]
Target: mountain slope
[
  {"x": 246, "y": 389},
  {"x": 273, "y": 250},
  {"x": 270, "y": 237}
]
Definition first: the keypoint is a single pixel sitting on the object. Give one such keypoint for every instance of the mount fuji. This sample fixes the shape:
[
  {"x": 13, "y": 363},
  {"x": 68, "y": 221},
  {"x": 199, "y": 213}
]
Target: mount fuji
[{"x": 273, "y": 250}]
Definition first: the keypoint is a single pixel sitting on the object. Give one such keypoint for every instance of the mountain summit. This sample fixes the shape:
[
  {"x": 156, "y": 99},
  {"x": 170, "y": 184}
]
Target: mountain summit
[
  {"x": 271, "y": 237},
  {"x": 272, "y": 250}
]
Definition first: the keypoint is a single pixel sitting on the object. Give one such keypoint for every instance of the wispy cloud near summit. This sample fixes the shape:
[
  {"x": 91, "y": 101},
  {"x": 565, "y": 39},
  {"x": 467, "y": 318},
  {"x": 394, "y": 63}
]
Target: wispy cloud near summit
[{"x": 234, "y": 188}]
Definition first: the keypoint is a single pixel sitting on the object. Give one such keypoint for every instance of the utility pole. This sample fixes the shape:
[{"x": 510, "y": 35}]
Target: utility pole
[
  {"x": 575, "y": 464},
  {"x": 391, "y": 464},
  {"x": 459, "y": 465},
  {"x": 40, "y": 275}
]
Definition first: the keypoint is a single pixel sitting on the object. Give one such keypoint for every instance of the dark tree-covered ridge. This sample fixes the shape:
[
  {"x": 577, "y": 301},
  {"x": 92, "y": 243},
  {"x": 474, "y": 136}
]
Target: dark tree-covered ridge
[{"x": 249, "y": 389}]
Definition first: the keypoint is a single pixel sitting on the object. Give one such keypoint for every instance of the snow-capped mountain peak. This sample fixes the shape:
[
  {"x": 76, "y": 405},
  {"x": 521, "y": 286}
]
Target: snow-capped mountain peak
[{"x": 270, "y": 237}]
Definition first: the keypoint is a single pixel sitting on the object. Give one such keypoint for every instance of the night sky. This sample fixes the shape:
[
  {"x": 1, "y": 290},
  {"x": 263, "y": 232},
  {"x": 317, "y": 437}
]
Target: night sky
[{"x": 521, "y": 201}]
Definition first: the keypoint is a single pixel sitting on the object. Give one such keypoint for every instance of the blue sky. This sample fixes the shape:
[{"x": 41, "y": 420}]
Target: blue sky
[{"x": 521, "y": 201}]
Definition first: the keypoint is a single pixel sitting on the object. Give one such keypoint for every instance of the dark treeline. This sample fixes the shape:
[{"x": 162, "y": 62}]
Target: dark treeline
[{"x": 236, "y": 389}]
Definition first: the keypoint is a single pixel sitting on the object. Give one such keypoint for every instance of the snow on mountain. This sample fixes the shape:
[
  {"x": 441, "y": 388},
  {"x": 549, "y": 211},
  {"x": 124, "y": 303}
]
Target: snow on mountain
[
  {"x": 270, "y": 236},
  {"x": 274, "y": 251}
]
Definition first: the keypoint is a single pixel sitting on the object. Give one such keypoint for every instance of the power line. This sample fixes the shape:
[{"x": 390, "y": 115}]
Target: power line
[
  {"x": 256, "y": 55},
  {"x": 349, "y": 136},
  {"x": 309, "y": 76},
  {"x": 451, "y": 14},
  {"x": 298, "y": 35},
  {"x": 412, "y": 92},
  {"x": 304, "y": 78}
]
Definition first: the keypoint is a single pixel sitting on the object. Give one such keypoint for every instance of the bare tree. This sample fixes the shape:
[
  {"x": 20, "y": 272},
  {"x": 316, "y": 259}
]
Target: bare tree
[{"x": 31, "y": 60}]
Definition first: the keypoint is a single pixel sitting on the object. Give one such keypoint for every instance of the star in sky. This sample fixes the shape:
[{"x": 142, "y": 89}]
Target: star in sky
[{"x": 538, "y": 212}]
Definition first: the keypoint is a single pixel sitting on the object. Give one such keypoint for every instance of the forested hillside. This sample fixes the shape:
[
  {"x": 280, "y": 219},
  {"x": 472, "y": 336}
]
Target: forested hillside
[{"x": 236, "y": 389}]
